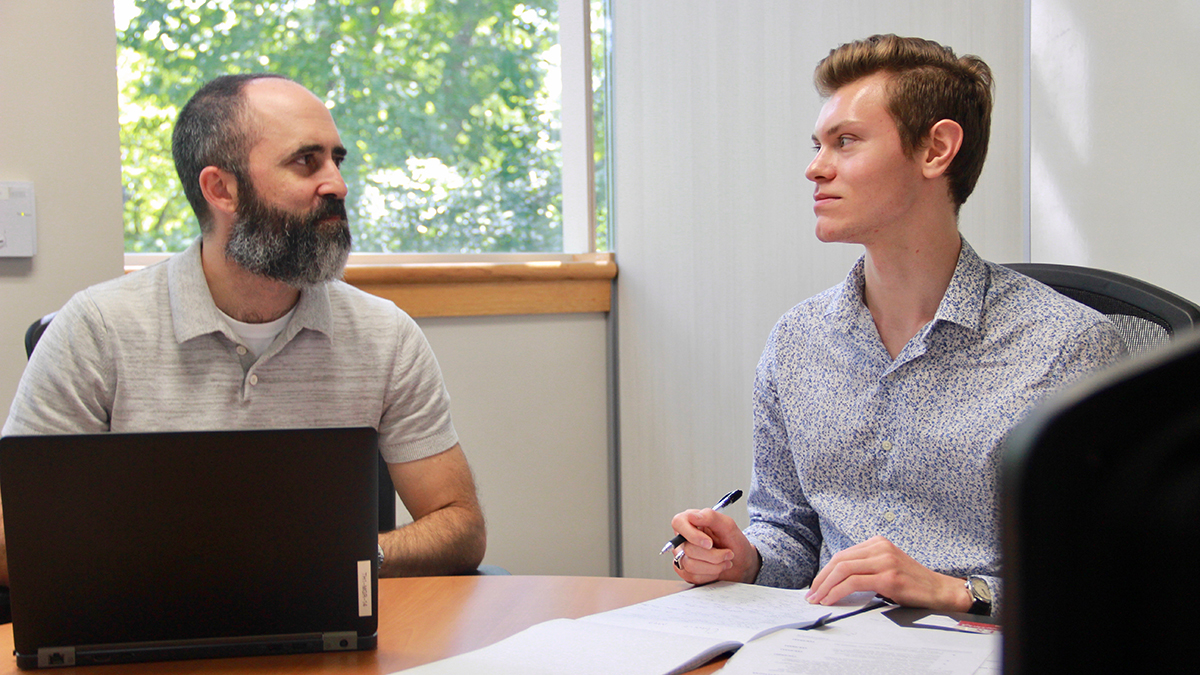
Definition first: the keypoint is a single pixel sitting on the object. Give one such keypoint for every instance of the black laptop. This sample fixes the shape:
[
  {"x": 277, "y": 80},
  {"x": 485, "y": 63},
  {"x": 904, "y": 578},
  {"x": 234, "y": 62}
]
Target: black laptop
[{"x": 181, "y": 545}]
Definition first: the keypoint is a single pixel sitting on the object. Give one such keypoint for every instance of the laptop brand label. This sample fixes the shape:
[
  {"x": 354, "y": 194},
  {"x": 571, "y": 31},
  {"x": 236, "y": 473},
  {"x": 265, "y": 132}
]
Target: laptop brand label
[{"x": 364, "y": 588}]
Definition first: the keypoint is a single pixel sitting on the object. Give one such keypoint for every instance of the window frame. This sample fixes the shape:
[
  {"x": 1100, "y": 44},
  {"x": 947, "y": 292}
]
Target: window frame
[{"x": 478, "y": 284}]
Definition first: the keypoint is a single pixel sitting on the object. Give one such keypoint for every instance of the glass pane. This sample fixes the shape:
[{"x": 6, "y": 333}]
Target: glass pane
[
  {"x": 600, "y": 88},
  {"x": 449, "y": 110}
]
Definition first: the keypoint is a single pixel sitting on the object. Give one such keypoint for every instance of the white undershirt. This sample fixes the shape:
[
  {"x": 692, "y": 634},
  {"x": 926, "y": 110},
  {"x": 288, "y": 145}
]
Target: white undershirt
[{"x": 258, "y": 336}]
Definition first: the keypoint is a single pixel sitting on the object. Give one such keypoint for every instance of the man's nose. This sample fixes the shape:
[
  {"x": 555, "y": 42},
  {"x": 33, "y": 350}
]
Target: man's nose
[
  {"x": 818, "y": 168},
  {"x": 333, "y": 185}
]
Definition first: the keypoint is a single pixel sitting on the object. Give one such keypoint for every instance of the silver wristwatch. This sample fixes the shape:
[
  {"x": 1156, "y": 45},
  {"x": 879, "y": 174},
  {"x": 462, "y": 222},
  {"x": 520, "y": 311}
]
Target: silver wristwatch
[{"x": 981, "y": 595}]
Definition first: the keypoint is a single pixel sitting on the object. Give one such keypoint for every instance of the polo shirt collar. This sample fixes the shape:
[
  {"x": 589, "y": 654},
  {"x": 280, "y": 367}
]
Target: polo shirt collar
[{"x": 193, "y": 312}]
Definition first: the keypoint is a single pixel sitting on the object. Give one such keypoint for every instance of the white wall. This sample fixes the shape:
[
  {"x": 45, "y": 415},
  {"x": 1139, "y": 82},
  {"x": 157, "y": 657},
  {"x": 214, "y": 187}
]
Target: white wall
[
  {"x": 1115, "y": 89},
  {"x": 529, "y": 393},
  {"x": 713, "y": 217},
  {"x": 58, "y": 129},
  {"x": 529, "y": 396}
]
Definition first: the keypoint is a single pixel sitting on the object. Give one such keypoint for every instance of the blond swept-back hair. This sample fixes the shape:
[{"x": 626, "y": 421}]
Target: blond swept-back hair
[{"x": 927, "y": 84}]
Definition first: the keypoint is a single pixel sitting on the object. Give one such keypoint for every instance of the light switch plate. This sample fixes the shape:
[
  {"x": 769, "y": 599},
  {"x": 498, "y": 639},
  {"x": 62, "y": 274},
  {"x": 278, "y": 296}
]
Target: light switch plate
[{"x": 18, "y": 220}]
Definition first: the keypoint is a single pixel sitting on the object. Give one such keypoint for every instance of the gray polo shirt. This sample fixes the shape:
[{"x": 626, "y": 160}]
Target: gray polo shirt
[{"x": 149, "y": 352}]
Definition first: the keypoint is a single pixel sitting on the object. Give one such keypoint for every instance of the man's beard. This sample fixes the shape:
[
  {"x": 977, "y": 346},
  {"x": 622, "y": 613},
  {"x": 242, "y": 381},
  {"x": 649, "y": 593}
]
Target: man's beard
[{"x": 298, "y": 249}]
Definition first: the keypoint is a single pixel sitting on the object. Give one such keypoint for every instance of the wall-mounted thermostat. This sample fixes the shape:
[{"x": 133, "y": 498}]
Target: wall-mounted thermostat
[{"x": 18, "y": 220}]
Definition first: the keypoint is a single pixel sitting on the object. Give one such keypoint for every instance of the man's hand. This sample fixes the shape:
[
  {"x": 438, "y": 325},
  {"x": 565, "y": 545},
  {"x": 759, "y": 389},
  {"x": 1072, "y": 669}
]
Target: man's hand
[
  {"x": 716, "y": 549},
  {"x": 880, "y": 566}
]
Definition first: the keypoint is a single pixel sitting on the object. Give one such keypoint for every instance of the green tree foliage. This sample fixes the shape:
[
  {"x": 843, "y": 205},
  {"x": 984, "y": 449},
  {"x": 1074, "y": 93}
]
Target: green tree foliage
[
  {"x": 444, "y": 105},
  {"x": 600, "y": 160}
]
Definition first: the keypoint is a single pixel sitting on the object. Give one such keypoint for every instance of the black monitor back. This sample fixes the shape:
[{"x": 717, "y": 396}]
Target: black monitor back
[
  {"x": 1102, "y": 522},
  {"x": 190, "y": 544}
]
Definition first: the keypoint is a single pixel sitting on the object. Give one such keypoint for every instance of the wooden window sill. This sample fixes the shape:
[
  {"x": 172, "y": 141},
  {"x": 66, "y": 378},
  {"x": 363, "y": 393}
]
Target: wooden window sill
[
  {"x": 559, "y": 285},
  {"x": 582, "y": 283}
]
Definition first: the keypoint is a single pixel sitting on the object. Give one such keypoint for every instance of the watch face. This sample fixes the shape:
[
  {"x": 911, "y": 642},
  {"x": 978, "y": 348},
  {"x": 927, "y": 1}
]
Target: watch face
[{"x": 980, "y": 589}]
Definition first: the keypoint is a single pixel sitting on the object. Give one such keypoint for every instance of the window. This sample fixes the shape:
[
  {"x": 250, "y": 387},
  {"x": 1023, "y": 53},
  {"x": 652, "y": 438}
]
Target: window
[{"x": 465, "y": 132}]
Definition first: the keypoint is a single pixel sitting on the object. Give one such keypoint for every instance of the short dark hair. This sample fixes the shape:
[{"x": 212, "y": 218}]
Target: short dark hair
[
  {"x": 214, "y": 129},
  {"x": 928, "y": 84}
]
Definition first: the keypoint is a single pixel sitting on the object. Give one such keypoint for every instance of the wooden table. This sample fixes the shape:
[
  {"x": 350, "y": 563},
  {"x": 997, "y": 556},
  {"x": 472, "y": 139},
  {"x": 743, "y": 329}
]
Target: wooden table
[{"x": 423, "y": 620}]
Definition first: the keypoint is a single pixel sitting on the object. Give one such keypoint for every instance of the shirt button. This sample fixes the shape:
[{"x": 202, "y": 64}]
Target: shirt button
[
  {"x": 889, "y": 516},
  {"x": 887, "y": 445},
  {"x": 253, "y": 379},
  {"x": 241, "y": 350}
]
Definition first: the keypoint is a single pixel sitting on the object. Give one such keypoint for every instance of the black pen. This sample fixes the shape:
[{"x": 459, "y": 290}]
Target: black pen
[{"x": 728, "y": 499}]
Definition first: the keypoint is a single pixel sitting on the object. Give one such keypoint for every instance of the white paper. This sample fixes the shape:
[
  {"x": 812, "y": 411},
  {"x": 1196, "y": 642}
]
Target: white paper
[
  {"x": 733, "y": 611},
  {"x": 576, "y": 647},
  {"x": 867, "y": 643},
  {"x": 671, "y": 634}
]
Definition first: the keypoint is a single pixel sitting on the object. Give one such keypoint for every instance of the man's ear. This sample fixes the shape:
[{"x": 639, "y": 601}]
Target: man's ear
[
  {"x": 944, "y": 140},
  {"x": 220, "y": 189}
]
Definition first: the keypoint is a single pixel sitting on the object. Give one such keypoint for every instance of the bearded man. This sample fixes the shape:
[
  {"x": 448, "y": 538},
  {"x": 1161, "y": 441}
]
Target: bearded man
[{"x": 251, "y": 326}]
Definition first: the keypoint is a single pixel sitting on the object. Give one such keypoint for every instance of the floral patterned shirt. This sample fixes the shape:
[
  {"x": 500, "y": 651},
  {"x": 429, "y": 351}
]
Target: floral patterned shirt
[{"x": 850, "y": 444}]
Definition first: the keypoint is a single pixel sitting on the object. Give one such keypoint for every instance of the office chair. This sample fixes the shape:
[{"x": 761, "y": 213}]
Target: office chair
[
  {"x": 1145, "y": 315},
  {"x": 34, "y": 333},
  {"x": 387, "y": 507}
]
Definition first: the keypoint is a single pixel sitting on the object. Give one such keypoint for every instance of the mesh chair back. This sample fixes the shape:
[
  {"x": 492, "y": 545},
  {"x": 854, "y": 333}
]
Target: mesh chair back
[{"x": 1145, "y": 315}]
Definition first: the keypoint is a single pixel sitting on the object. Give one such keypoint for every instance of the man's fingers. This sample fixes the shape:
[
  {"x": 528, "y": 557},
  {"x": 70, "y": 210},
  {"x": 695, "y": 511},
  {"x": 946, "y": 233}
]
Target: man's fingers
[
  {"x": 856, "y": 571},
  {"x": 822, "y": 579},
  {"x": 687, "y": 523},
  {"x": 852, "y": 584},
  {"x": 714, "y": 547},
  {"x": 697, "y": 569},
  {"x": 711, "y": 556}
]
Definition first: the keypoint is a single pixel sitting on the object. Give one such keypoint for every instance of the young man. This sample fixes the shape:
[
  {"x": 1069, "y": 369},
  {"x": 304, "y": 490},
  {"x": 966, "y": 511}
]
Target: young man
[
  {"x": 252, "y": 328},
  {"x": 881, "y": 404}
]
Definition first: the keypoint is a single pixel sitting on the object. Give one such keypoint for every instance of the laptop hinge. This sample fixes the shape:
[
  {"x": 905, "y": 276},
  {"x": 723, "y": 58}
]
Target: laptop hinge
[
  {"x": 341, "y": 641},
  {"x": 55, "y": 657}
]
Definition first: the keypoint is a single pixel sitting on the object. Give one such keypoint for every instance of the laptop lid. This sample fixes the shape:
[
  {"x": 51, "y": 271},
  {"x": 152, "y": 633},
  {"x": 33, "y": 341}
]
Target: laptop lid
[{"x": 155, "y": 546}]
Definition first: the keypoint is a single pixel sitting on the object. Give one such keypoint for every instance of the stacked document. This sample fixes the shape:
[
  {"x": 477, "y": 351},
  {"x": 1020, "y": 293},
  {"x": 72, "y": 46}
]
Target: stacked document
[
  {"x": 668, "y": 635},
  {"x": 873, "y": 644}
]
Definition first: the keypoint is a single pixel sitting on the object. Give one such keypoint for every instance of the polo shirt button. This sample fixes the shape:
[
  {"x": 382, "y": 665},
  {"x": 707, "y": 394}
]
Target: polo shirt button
[
  {"x": 889, "y": 516},
  {"x": 887, "y": 445},
  {"x": 241, "y": 350},
  {"x": 253, "y": 379}
]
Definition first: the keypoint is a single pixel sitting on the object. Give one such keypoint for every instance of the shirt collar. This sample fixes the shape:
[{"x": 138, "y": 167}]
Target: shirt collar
[
  {"x": 962, "y": 304},
  {"x": 848, "y": 297},
  {"x": 193, "y": 312}
]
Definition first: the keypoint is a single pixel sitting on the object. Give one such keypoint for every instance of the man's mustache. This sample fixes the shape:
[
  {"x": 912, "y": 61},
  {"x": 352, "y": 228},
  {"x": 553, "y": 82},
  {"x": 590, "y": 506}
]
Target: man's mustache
[{"x": 332, "y": 207}]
